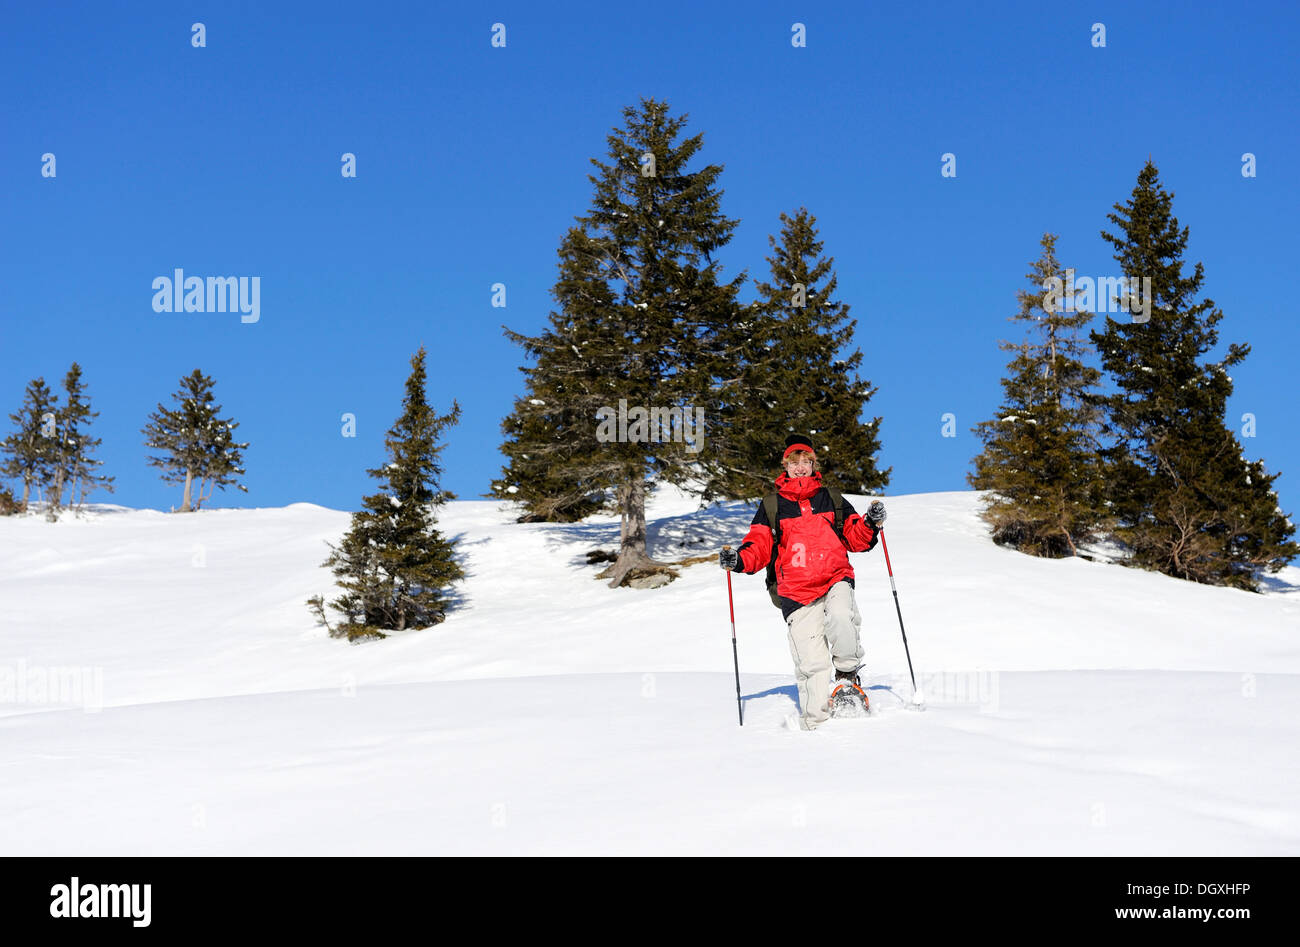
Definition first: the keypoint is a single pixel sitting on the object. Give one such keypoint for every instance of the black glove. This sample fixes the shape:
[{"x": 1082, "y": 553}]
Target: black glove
[
  {"x": 876, "y": 513},
  {"x": 729, "y": 559}
]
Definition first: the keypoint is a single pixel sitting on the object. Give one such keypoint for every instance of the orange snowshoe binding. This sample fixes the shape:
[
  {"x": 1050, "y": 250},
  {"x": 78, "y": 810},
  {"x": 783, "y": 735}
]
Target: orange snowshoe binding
[{"x": 848, "y": 697}]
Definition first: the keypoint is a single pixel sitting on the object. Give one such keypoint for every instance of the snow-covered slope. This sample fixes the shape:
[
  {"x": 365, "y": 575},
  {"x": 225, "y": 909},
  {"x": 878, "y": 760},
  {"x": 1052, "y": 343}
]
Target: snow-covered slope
[{"x": 1073, "y": 706}]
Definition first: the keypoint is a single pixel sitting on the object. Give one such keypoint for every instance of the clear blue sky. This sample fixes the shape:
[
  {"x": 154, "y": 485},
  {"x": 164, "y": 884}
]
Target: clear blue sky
[{"x": 472, "y": 161}]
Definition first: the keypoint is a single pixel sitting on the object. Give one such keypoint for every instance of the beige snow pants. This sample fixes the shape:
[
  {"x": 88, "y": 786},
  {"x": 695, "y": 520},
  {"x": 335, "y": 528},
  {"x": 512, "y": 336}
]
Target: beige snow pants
[{"x": 823, "y": 637}]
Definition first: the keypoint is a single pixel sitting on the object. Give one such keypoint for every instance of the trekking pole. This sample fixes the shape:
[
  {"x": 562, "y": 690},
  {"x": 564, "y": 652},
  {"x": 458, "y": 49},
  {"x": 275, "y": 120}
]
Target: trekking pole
[
  {"x": 917, "y": 702},
  {"x": 740, "y": 709}
]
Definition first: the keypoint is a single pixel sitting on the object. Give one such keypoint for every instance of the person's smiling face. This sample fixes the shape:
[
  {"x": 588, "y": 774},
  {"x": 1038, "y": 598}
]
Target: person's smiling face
[{"x": 799, "y": 464}]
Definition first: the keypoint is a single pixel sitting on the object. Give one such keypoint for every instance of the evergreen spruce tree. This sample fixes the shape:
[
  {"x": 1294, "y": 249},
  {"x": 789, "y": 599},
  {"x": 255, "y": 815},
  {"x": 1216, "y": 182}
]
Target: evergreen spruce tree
[
  {"x": 636, "y": 335},
  {"x": 195, "y": 443},
  {"x": 1188, "y": 503},
  {"x": 1039, "y": 463},
  {"x": 557, "y": 470},
  {"x": 795, "y": 376},
  {"x": 74, "y": 465},
  {"x": 393, "y": 565},
  {"x": 29, "y": 449}
]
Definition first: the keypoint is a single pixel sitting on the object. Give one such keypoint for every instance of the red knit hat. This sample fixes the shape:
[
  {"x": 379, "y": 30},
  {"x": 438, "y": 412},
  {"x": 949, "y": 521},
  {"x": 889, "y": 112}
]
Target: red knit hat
[{"x": 797, "y": 442}]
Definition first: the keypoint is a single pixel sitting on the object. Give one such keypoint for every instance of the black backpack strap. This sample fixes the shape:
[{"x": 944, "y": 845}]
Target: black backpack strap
[
  {"x": 774, "y": 523},
  {"x": 773, "y": 518},
  {"x": 837, "y": 499}
]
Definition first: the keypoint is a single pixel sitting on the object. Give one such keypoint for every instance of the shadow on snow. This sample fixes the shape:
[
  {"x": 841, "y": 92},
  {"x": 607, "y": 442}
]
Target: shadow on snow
[{"x": 668, "y": 538}]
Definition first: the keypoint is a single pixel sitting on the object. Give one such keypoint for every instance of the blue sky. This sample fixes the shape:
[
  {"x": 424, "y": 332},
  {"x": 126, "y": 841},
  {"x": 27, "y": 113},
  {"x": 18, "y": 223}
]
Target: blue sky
[{"x": 472, "y": 161}]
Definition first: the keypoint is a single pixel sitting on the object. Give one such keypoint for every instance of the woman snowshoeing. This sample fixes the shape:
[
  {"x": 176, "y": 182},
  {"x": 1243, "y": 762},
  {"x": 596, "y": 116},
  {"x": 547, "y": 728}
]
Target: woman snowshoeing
[{"x": 815, "y": 529}]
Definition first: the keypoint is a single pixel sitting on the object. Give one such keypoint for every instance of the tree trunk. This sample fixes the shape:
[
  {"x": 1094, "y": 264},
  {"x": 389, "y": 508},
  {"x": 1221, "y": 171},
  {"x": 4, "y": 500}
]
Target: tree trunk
[
  {"x": 189, "y": 482},
  {"x": 55, "y": 500},
  {"x": 1069, "y": 541},
  {"x": 56, "y": 494},
  {"x": 1063, "y": 521},
  {"x": 631, "y": 553}
]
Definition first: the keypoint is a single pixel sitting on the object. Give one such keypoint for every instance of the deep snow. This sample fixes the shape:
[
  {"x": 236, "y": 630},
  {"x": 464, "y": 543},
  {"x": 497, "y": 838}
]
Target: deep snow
[{"x": 1074, "y": 707}]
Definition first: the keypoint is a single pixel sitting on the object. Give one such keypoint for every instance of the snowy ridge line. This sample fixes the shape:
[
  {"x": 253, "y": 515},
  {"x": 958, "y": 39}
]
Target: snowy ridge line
[{"x": 213, "y": 603}]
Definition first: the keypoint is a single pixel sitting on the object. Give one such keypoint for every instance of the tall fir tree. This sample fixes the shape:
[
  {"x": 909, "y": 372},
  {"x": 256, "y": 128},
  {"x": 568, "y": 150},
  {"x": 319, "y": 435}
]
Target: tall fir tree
[
  {"x": 29, "y": 449},
  {"x": 195, "y": 444},
  {"x": 557, "y": 470},
  {"x": 393, "y": 564},
  {"x": 626, "y": 363},
  {"x": 1188, "y": 503},
  {"x": 796, "y": 374},
  {"x": 74, "y": 467},
  {"x": 1039, "y": 463}
]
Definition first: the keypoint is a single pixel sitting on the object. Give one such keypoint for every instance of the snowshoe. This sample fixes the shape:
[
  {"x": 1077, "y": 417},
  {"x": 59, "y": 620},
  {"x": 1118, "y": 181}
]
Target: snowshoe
[{"x": 848, "y": 699}]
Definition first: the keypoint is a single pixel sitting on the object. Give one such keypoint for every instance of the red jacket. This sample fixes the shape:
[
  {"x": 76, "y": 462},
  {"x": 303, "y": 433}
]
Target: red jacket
[{"x": 811, "y": 557}]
